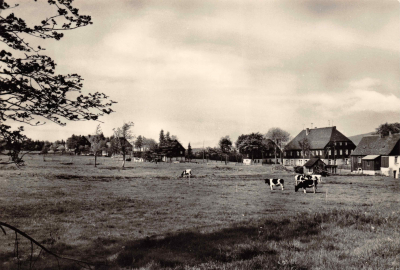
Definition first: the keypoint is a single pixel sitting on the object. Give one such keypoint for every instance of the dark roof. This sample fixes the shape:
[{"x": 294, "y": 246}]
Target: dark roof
[
  {"x": 375, "y": 145},
  {"x": 174, "y": 144},
  {"x": 312, "y": 161},
  {"x": 318, "y": 138}
]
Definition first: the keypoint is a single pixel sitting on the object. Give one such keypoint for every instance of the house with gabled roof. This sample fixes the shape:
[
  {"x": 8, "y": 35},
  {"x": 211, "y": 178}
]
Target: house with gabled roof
[
  {"x": 377, "y": 154},
  {"x": 170, "y": 150},
  {"x": 315, "y": 163},
  {"x": 326, "y": 143}
]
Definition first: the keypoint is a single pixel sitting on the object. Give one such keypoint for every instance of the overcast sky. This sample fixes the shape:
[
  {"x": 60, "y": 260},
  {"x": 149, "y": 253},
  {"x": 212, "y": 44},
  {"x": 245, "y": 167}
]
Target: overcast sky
[{"x": 204, "y": 69}]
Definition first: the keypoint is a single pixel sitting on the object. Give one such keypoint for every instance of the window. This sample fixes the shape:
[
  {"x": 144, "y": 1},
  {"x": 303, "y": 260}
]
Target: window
[
  {"x": 346, "y": 161},
  {"x": 345, "y": 143},
  {"x": 347, "y": 151},
  {"x": 329, "y": 152},
  {"x": 359, "y": 160},
  {"x": 320, "y": 152},
  {"x": 298, "y": 153},
  {"x": 329, "y": 162},
  {"x": 335, "y": 152},
  {"x": 334, "y": 143},
  {"x": 340, "y": 143},
  {"x": 341, "y": 152},
  {"x": 284, "y": 154},
  {"x": 395, "y": 160},
  {"x": 385, "y": 162}
]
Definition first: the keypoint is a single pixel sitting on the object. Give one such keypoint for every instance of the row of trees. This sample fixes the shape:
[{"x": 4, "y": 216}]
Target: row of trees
[
  {"x": 246, "y": 144},
  {"x": 149, "y": 149},
  {"x": 250, "y": 144}
]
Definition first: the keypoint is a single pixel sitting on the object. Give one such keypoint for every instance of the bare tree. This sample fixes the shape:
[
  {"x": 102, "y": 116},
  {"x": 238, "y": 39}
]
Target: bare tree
[
  {"x": 305, "y": 147},
  {"x": 279, "y": 137},
  {"x": 123, "y": 136},
  {"x": 96, "y": 142}
]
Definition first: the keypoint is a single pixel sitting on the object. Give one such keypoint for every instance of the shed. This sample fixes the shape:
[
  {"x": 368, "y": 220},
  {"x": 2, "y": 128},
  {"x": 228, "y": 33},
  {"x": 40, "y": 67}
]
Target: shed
[
  {"x": 371, "y": 163},
  {"x": 313, "y": 164}
]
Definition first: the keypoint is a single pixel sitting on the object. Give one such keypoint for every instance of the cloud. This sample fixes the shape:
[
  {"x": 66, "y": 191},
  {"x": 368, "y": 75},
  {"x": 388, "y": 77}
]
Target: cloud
[{"x": 360, "y": 96}]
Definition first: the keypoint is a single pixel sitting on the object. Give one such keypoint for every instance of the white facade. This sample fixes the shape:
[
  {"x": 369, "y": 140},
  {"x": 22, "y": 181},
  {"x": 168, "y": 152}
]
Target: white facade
[
  {"x": 394, "y": 167},
  {"x": 255, "y": 161},
  {"x": 301, "y": 162}
]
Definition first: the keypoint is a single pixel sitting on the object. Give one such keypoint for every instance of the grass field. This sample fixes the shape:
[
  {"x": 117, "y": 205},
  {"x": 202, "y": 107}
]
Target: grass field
[{"x": 225, "y": 217}]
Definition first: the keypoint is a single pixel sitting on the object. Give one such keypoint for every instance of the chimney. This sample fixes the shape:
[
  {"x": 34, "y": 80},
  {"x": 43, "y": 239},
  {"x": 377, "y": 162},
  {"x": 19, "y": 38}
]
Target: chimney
[{"x": 307, "y": 131}]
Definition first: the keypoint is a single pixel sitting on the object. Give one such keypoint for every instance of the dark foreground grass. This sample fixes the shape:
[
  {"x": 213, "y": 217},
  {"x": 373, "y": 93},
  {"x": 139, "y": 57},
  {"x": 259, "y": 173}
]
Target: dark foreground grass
[
  {"x": 332, "y": 239},
  {"x": 305, "y": 241}
]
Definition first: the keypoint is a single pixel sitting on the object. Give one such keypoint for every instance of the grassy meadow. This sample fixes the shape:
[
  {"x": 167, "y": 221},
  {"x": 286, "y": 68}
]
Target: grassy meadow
[{"x": 225, "y": 217}]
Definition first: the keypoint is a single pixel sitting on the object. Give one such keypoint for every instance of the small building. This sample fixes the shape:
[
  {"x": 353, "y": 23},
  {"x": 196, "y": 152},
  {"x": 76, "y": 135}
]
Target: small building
[
  {"x": 377, "y": 154},
  {"x": 313, "y": 164}
]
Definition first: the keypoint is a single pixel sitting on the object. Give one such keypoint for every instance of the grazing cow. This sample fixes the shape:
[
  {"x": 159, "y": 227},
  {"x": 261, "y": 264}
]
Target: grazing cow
[
  {"x": 275, "y": 182},
  {"x": 187, "y": 173},
  {"x": 306, "y": 184},
  {"x": 301, "y": 177}
]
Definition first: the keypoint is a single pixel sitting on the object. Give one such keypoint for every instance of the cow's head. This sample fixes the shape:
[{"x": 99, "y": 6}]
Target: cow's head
[{"x": 267, "y": 181}]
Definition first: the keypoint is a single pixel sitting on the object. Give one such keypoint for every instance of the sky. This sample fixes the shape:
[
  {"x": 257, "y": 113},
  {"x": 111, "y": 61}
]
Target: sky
[{"x": 205, "y": 69}]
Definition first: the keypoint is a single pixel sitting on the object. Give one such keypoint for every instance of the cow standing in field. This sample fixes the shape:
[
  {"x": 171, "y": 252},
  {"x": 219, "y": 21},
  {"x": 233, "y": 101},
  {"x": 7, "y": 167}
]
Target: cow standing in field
[
  {"x": 301, "y": 177},
  {"x": 275, "y": 182},
  {"x": 187, "y": 173},
  {"x": 306, "y": 184}
]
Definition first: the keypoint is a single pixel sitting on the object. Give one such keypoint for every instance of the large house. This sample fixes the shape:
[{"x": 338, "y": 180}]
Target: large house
[
  {"x": 327, "y": 143},
  {"x": 377, "y": 154}
]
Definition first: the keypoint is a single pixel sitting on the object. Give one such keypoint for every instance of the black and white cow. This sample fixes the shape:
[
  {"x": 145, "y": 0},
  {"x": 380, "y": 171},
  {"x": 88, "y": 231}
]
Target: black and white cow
[
  {"x": 306, "y": 184},
  {"x": 316, "y": 177},
  {"x": 301, "y": 177},
  {"x": 275, "y": 182},
  {"x": 186, "y": 173}
]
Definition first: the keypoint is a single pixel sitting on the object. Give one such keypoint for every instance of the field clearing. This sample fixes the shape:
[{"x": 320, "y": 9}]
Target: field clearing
[{"x": 147, "y": 216}]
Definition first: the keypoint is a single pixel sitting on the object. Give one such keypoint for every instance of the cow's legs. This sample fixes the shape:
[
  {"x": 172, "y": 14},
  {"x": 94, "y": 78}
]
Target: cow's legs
[
  {"x": 314, "y": 189},
  {"x": 282, "y": 187},
  {"x": 271, "y": 187},
  {"x": 304, "y": 190}
]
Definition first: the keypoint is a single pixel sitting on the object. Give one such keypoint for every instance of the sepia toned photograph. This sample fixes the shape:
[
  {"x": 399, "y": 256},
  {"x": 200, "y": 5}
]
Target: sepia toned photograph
[{"x": 199, "y": 134}]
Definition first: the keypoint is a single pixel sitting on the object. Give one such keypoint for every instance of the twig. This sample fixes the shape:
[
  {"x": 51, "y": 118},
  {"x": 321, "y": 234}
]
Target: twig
[{"x": 17, "y": 231}]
